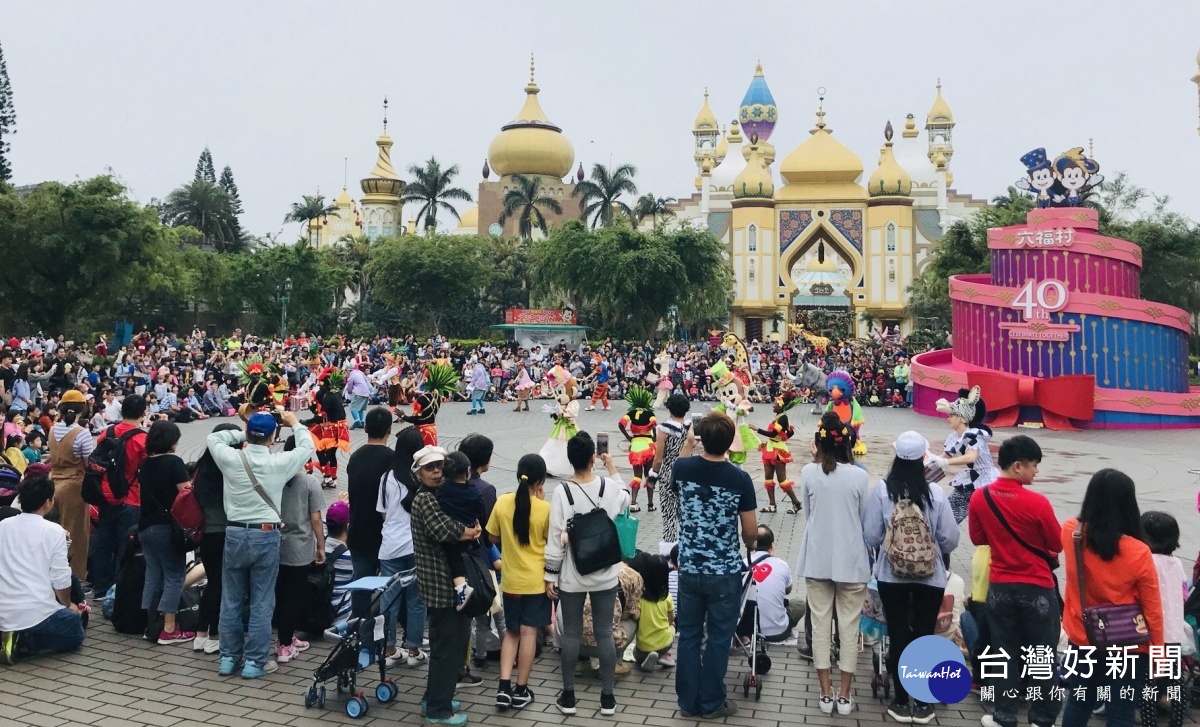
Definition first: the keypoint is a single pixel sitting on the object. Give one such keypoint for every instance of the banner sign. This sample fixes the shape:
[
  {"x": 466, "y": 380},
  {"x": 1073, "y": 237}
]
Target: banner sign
[{"x": 539, "y": 316}]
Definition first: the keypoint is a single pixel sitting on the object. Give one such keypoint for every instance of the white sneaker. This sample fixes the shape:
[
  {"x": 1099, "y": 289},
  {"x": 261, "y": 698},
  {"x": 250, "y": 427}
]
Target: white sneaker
[
  {"x": 414, "y": 660},
  {"x": 200, "y": 643},
  {"x": 844, "y": 706},
  {"x": 213, "y": 646},
  {"x": 826, "y": 705}
]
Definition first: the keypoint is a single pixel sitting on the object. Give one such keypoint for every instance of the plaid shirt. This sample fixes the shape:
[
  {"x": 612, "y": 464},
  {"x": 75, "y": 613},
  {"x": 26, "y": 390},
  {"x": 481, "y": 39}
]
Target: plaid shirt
[{"x": 430, "y": 528}]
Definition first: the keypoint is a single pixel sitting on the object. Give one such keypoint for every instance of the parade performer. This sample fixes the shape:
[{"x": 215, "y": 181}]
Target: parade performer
[
  {"x": 328, "y": 426},
  {"x": 564, "y": 410},
  {"x": 638, "y": 426},
  {"x": 600, "y": 376},
  {"x": 775, "y": 453},
  {"x": 731, "y": 393},
  {"x": 662, "y": 367},
  {"x": 440, "y": 382},
  {"x": 524, "y": 387},
  {"x": 967, "y": 445},
  {"x": 256, "y": 379},
  {"x": 843, "y": 403}
]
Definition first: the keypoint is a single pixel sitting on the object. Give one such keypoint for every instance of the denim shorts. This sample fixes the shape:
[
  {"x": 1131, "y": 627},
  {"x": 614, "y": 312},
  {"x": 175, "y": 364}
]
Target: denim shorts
[{"x": 531, "y": 610}]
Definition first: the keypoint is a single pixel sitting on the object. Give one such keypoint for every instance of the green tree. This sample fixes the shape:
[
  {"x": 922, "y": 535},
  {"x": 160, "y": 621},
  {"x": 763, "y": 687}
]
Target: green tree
[
  {"x": 525, "y": 202},
  {"x": 423, "y": 282},
  {"x": 354, "y": 254},
  {"x": 8, "y": 120},
  {"x": 206, "y": 207},
  {"x": 650, "y": 206},
  {"x": 310, "y": 207},
  {"x": 204, "y": 167},
  {"x": 600, "y": 196},
  {"x": 317, "y": 281},
  {"x": 430, "y": 188},
  {"x": 231, "y": 189}
]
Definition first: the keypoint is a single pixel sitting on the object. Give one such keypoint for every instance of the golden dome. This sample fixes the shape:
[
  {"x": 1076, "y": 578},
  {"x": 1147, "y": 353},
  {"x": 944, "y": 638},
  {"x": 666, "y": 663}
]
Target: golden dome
[
  {"x": 755, "y": 179},
  {"x": 889, "y": 179},
  {"x": 470, "y": 218},
  {"x": 383, "y": 178},
  {"x": 530, "y": 144},
  {"x": 706, "y": 119},
  {"x": 939, "y": 113},
  {"x": 343, "y": 199},
  {"x": 821, "y": 158}
]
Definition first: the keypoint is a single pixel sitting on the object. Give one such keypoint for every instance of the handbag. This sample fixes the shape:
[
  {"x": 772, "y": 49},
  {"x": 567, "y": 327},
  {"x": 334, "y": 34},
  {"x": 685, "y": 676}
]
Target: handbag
[
  {"x": 1121, "y": 624},
  {"x": 1051, "y": 561},
  {"x": 479, "y": 577},
  {"x": 592, "y": 536},
  {"x": 627, "y": 530}
]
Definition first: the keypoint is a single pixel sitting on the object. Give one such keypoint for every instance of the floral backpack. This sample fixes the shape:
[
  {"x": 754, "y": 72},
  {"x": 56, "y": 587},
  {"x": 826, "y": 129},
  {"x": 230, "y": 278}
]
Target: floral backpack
[{"x": 909, "y": 542}]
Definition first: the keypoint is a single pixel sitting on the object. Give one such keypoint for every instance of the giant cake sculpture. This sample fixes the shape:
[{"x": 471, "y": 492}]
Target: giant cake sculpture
[{"x": 1058, "y": 334}]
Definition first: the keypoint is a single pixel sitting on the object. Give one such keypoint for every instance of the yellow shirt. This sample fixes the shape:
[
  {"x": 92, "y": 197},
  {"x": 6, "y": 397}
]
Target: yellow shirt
[
  {"x": 981, "y": 564},
  {"x": 654, "y": 627},
  {"x": 522, "y": 567},
  {"x": 16, "y": 458}
]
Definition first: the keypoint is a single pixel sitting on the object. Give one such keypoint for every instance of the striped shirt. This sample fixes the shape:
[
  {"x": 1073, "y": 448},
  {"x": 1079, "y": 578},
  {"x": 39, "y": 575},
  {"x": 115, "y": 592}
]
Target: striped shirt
[
  {"x": 343, "y": 573},
  {"x": 84, "y": 444}
]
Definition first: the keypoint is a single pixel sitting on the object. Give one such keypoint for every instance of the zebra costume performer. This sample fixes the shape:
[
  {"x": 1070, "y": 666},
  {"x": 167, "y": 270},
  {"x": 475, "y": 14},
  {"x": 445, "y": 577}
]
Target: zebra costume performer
[{"x": 967, "y": 444}]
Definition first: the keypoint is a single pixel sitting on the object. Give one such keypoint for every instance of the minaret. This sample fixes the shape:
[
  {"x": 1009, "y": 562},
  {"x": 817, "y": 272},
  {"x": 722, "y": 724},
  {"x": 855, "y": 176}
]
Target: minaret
[
  {"x": 381, "y": 190},
  {"x": 940, "y": 125},
  {"x": 706, "y": 135}
]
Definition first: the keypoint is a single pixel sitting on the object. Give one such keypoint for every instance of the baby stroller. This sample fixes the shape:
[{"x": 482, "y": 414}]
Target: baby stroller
[
  {"x": 748, "y": 638},
  {"x": 362, "y": 645},
  {"x": 873, "y": 629}
]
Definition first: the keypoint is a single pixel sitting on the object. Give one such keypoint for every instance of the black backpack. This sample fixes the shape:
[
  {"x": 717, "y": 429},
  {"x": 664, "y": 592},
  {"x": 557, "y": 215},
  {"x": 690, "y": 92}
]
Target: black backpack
[
  {"x": 128, "y": 616},
  {"x": 104, "y": 481},
  {"x": 319, "y": 594}
]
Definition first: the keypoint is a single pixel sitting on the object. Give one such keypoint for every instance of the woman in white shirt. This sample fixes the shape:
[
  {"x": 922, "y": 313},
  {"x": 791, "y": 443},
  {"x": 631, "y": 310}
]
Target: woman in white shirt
[
  {"x": 565, "y": 582},
  {"x": 396, "y": 554}
]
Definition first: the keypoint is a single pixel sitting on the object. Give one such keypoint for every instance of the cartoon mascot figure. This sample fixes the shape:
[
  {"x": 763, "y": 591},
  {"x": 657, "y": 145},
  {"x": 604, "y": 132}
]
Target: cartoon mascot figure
[
  {"x": 731, "y": 393},
  {"x": 842, "y": 402},
  {"x": 775, "y": 453}
]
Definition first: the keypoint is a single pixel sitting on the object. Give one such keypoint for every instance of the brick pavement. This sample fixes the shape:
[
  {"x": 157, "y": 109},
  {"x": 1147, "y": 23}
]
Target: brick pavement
[{"x": 121, "y": 681}]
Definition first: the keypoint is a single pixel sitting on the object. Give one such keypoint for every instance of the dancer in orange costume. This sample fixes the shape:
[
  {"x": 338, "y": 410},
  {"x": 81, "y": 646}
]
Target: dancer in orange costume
[
  {"x": 775, "y": 453},
  {"x": 638, "y": 426}
]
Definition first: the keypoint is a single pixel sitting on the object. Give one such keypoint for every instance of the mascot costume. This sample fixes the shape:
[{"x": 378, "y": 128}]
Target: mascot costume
[
  {"x": 563, "y": 412},
  {"x": 441, "y": 381},
  {"x": 731, "y": 392},
  {"x": 638, "y": 425},
  {"x": 843, "y": 403},
  {"x": 328, "y": 425},
  {"x": 775, "y": 453},
  {"x": 661, "y": 379},
  {"x": 968, "y": 448},
  {"x": 524, "y": 387}
]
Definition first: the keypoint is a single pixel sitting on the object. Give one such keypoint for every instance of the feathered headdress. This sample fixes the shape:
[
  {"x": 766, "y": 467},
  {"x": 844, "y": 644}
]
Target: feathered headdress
[
  {"x": 332, "y": 377},
  {"x": 639, "y": 398},
  {"x": 840, "y": 379},
  {"x": 257, "y": 378},
  {"x": 786, "y": 401},
  {"x": 441, "y": 380}
]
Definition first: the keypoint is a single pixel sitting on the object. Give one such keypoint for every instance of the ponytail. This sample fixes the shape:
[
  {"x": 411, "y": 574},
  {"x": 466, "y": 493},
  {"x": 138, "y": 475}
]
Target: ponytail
[
  {"x": 531, "y": 472},
  {"x": 71, "y": 412}
]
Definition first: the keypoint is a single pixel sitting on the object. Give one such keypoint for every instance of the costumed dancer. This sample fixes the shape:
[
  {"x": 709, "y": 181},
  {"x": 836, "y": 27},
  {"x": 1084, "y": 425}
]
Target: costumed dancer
[
  {"x": 731, "y": 393},
  {"x": 967, "y": 445},
  {"x": 638, "y": 426},
  {"x": 259, "y": 392},
  {"x": 524, "y": 387},
  {"x": 564, "y": 410},
  {"x": 842, "y": 402},
  {"x": 775, "y": 453},
  {"x": 662, "y": 367},
  {"x": 441, "y": 381},
  {"x": 328, "y": 425},
  {"x": 600, "y": 375}
]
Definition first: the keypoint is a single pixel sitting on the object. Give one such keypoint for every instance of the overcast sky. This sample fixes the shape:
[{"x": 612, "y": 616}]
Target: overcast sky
[{"x": 283, "y": 91}]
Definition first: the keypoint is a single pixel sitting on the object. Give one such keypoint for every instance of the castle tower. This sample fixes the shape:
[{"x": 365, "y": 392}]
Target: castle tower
[
  {"x": 758, "y": 115},
  {"x": 706, "y": 136},
  {"x": 888, "y": 256},
  {"x": 754, "y": 252},
  {"x": 939, "y": 123},
  {"x": 381, "y": 190}
]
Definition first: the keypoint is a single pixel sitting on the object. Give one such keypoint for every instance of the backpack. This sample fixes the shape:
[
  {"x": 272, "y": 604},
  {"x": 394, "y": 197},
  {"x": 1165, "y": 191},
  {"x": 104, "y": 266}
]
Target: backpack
[
  {"x": 909, "y": 542},
  {"x": 104, "y": 481},
  {"x": 320, "y": 607}
]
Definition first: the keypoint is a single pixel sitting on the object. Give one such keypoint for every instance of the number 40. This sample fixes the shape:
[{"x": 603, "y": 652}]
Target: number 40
[{"x": 1049, "y": 296}]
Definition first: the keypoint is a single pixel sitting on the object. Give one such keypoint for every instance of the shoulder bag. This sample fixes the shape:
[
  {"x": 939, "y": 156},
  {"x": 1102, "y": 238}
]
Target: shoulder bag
[
  {"x": 1050, "y": 560},
  {"x": 1121, "y": 624},
  {"x": 592, "y": 536},
  {"x": 257, "y": 487}
]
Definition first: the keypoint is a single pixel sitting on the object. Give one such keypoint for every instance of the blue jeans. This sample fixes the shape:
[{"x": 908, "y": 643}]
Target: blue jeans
[
  {"x": 403, "y": 594},
  {"x": 477, "y": 399},
  {"x": 62, "y": 631},
  {"x": 164, "y": 570},
  {"x": 358, "y": 409},
  {"x": 1117, "y": 710},
  {"x": 707, "y": 618},
  {"x": 108, "y": 543},
  {"x": 250, "y": 568}
]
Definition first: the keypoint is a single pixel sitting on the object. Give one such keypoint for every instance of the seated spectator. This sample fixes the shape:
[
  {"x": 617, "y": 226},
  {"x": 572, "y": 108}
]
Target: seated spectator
[
  {"x": 777, "y": 614},
  {"x": 36, "y": 611},
  {"x": 337, "y": 520},
  {"x": 656, "y": 620}
]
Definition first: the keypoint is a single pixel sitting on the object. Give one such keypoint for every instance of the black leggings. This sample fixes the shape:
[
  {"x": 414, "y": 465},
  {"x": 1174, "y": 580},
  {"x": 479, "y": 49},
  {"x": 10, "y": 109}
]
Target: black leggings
[
  {"x": 911, "y": 610},
  {"x": 289, "y": 598},
  {"x": 212, "y": 555}
]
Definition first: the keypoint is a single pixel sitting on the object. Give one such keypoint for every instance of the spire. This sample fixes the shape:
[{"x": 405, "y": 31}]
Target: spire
[
  {"x": 385, "y": 115},
  {"x": 758, "y": 69},
  {"x": 487, "y": 171},
  {"x": 532, "y": 87},
  {"x": 910, "y": 127},
  {"x": 579, "y": 174},
  {"x": 821, "y": 112}
]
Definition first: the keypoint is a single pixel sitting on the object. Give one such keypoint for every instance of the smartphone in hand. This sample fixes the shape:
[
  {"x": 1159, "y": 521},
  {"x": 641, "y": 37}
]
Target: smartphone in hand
[{"x": 601, "y": 443}]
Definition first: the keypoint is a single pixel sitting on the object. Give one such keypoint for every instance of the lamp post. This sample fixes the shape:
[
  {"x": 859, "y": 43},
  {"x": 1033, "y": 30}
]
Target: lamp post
[{"x": 284, "y": 296}]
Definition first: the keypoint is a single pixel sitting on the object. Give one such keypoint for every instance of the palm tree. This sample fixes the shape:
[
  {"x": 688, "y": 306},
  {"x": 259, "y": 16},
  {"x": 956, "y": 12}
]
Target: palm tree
[
  {"x": 599, "y": 197},
  {"x": 309, "y": 208},
  {"x": 523, "y": 201},
  {"x": 208, "y": 208},
  {"x": 354, "y": 253},
  {"x": 650, "y": 206},
  {"x": 431, "y": 188}
]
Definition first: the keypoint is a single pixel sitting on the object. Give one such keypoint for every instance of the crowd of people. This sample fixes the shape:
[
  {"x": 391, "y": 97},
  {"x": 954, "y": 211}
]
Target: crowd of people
[{"x": 872, "y": 550}]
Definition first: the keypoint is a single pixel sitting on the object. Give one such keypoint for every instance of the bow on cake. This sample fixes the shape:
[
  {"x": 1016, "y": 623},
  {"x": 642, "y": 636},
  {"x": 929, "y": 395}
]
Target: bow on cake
[{"x": 1061, "y": 398}]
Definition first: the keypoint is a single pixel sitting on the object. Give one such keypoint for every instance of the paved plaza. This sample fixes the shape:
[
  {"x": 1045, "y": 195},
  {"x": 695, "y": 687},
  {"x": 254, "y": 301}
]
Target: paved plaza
[{"x": 121, "y": 681}]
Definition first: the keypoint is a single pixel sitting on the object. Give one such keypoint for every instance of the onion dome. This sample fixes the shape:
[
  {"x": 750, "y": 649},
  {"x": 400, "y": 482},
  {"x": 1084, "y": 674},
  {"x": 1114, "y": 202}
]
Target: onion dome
[
  {"x": 487, "y": 171},
  {"x": 939, "y": 113},
  {"x": 889, "y": 179},
  {"x": 706, "y": 120},
  {"x": 821, "y": 158},
  {"x": 470, "y": 218},
  {"x": 754, "y": 181},
  {"x": 758, "y": 112},
  {"x": 725, "y": 172},
  {"x": 530, "y": 144},
  {"x": 579, "y": 174},
  {"x": 912, "y": 155},
  {"x": 383, "y": 179}
]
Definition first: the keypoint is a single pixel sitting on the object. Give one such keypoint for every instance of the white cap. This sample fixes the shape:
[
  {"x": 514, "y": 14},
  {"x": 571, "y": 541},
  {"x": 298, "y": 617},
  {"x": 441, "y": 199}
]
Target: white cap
[
  {"x": 911, "y": 445},
  {"x": 428, "y": 455}
]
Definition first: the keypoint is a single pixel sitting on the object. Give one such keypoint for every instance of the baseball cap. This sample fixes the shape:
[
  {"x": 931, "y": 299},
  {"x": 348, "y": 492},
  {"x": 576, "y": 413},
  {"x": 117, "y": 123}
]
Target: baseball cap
[
  {"x": 911, "y": 445},
  {"x": 261, "y": 424},
  {"x": 428, "y": 455},
  {"x": 338, "y": 513}
]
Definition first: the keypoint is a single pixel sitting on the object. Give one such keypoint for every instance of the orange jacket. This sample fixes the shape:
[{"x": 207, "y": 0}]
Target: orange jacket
[{"x": 1129, "y": 577}]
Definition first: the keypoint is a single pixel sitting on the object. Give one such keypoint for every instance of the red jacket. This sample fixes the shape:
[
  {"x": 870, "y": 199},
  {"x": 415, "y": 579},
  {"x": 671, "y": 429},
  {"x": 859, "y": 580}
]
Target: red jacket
[
  {"x": 135, "y": 454},
  {"x": 1031, "y": 516}
]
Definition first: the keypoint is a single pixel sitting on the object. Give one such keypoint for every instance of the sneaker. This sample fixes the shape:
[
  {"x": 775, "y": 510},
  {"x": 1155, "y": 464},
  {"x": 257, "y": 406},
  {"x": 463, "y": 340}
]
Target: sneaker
[
  {"x": 805, "y": 651},
  {"x": 566, "y": 702},
  {"x": 728, "y": 709},
  {"x": 666, "y": 661},
  {"x": 988, "y": 720},
  {"x": 922, "y": 713},
  {"x": 522, "y": 697},
  {"x": 845, "y": 706},
  {"x": 286, "y": 654},
  {"x": 200, "y": 642},
  {"x": 250, "y": 671},
  {"x": 299, "y": 645},
  {"x": 175, "y": 637},
  {"x": 790, "y": 642},
  {"x": 650, "y": 663},
  {"x": 8, "y": 647},
  {"x": 621, "y": 669},
  {"x": 479, "y": 662},
  {"x": 455, "y": 706},
  {"x": 213, "y": 646},
  {"x": 390, "y": 660},
  {"x": 456, "y": 719},
  {"x": 417, "y": 659},
  {"x": 504, "y": 699},
  {"x": 826, "y": 705},
  {"x": 461, "y": 594},
  {"x": 608, "y": 704},
  {"x": 228, "y": 666},
  {"x": 467, "y": 679},
  {"x": 901, "y": 713}
]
